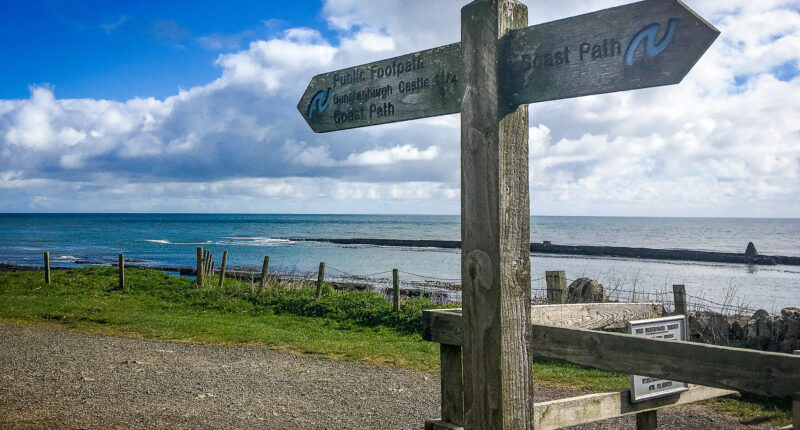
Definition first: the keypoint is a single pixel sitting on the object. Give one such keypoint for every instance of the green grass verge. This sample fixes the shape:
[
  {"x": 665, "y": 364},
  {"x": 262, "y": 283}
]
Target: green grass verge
[{"x": 357, "y": 326}]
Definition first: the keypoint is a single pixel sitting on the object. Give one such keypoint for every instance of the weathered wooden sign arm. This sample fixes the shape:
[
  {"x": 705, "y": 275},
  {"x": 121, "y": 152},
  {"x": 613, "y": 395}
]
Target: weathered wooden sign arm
[{"x": 640, "y": 45}]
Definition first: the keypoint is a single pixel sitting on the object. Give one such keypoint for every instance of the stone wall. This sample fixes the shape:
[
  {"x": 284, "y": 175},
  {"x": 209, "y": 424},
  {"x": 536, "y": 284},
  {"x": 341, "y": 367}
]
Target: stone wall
[{"x": 779, "y": 333}]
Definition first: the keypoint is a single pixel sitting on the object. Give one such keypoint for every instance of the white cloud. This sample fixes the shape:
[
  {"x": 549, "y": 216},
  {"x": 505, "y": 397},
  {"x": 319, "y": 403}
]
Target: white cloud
[{"x": 723, "y": 142}]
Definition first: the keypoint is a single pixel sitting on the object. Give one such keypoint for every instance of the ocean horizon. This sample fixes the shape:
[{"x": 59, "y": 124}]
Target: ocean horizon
[{"x": 170, "y": 240}]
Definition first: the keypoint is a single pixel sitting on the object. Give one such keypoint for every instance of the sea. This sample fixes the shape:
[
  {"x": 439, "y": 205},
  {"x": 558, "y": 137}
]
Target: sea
[{"x": 170, "y": 240}]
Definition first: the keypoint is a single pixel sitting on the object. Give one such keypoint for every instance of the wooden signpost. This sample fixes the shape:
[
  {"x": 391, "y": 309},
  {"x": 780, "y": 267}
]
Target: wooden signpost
[
  {"x": 499, "y": 67},
  {"x": 640, "y": 45}
]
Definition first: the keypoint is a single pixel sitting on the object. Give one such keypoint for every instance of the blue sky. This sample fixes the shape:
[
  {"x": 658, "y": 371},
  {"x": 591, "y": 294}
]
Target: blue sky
[
  {"x": 123, "y": 49},
  {"x": 178, "y": 106}
]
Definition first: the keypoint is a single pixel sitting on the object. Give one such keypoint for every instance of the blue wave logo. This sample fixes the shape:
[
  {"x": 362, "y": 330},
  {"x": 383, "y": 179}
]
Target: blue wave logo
[
  {"x": 648, "y": 36},
  {"x": 318, "y": 103}
]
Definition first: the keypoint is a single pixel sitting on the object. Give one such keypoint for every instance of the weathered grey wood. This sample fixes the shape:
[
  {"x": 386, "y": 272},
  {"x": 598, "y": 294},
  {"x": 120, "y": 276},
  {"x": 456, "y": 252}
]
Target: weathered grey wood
[
  {"x": 443, "y": 326},
  {"x": 535, "y": 63},
  {"x": 47, "y": 267},
  {"x": 765, "y": 373},
  {"x": 396, "y": 291},
  {"x": 647, "y": 420},
  {"x": 547, "y": 62},
  {"x": 121, "y": 265},
  {"x": 264, "y": 272},
  {"x": 452, "y": 384},
  {"x": 495, "y": 223},
  {"x": 200, "y": 268},
  {"x": 446, "y": 325},
  {"x": 431, "y": 87},
  {"x": 593, "y": 315},
  {"x": 679, "y": 297},
  {"x": 590, "y": 408},
  {"x": 796, "y": 408},
  {"x": 556, "y": 286},
  {"x": 441, "y": 425},
  {"x": 320, "y": 279},
  {"x": 222, "y": 269}
]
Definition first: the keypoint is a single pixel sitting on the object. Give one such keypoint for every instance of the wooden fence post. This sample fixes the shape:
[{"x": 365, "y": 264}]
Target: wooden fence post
[
  {"x": 396, "y": 292},
  {"x": 200, "y": 268},
  {"x": 264, "y": 271},
  {"x": 121, "y": 271},
  {"x": 47, "y": 268},
  {"x": 556, "y": 286},
  {"x": 679, "y": 297},
  {"x": 222, "y": 269},
  {"x": 647, "y": 420},
  {"x": 495, "y": 225},
  {"x": 320, "y": 279},
  {"x": 796, "y": 407},
  {"x": 207, "y": 265}
]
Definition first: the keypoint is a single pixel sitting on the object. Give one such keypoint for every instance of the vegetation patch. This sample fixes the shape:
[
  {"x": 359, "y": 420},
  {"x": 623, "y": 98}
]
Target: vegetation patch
[{"x": 344, "y": 325}]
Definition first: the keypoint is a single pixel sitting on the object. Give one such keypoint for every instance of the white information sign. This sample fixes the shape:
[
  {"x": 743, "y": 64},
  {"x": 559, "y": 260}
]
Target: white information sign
[{"x": 669, "y": 328}]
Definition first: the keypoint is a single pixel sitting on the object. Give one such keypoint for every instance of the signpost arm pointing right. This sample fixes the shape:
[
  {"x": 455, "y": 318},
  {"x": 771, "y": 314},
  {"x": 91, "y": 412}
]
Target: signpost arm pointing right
[{"x": 495, "y": 224}]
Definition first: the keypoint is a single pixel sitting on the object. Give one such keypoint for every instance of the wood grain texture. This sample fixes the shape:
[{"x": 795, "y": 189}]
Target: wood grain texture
[
  {"x": 441, "y": 425},
  {"x": 647, "y": 420},
  {"x": 441, "y": 68},
  {"x": 199, "y": 272},
  {"x": 765, "y": 373},
  {"x": 573, "y": 411},
  {"x": 612, "y": 30},
  {"x": 222, "y": 269},
  {"x": 679, "y": 297},
  {"x": 264, "y": 271},
  {"x": 556, "y": 286},
  {"x": 396, "y": 290},
  {"x": 320, "y": 279},
  {"x": 443, "y": 326},
  {"x": 446, "y": 325},
  {"x": 593, "y": 315},
  {"x": 121, "y": 267},
  {"x": 46, "y": 267},
  {"x": 796, "y": 406},
  {"x": 495, "y": 263},
  {"x": 452, "y": 384}
]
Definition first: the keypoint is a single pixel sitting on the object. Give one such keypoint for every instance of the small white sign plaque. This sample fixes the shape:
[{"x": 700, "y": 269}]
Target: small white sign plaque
[{"x": 669, "y": 328}]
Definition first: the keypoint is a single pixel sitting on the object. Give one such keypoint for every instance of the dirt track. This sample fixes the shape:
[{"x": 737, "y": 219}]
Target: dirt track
[{"x": 52, "y": 378}]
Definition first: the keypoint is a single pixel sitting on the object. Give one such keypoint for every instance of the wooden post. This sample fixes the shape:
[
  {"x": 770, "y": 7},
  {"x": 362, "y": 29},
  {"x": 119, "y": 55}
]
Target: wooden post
[
  {"x": 121, "y": 271},
  {"x": 556, "y": 286},
  {"x": 47, "y": 268},
  {"x": 396, "y": 293},
  {"x": 199, "y": 273},
  {"x": 679, "y": 297},
  {"x": 320, "y": 279},
  {"x": 264, "y": 269},
  {"x": 647, "y": 420},
  {"x": 207, "y": 265},
  {"x": 222, "y": 269},
  {"x": 796, "y": 408},
  {"x": 452, "y": 384},
  {"x": 495, "y": 225}
]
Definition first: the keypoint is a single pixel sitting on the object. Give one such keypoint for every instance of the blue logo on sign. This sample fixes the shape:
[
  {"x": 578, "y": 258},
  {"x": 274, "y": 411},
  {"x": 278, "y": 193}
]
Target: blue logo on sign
[
  {"x": 648, "y": 35},
  {"x": 317, "y": 101}
]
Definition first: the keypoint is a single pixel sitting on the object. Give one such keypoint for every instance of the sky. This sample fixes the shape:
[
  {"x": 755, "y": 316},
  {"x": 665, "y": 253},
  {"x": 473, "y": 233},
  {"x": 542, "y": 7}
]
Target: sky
[{"x": 190, "y": 106}]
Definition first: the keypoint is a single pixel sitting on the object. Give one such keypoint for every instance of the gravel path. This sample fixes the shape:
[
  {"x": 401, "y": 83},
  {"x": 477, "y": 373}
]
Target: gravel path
[{"x": 53, "y": 378}]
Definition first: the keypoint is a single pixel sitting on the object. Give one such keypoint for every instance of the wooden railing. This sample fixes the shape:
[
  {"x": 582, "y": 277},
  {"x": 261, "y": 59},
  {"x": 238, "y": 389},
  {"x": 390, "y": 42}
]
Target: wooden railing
[{"x": 563, "y": 332}]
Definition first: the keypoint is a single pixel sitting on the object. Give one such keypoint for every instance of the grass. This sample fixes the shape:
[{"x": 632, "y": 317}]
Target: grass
[{"x": 350, "y": 325}]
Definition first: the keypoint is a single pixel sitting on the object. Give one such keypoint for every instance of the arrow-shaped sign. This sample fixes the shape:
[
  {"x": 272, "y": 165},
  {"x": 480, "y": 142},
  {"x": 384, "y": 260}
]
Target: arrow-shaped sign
[{"x": 640, "y": 45}]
